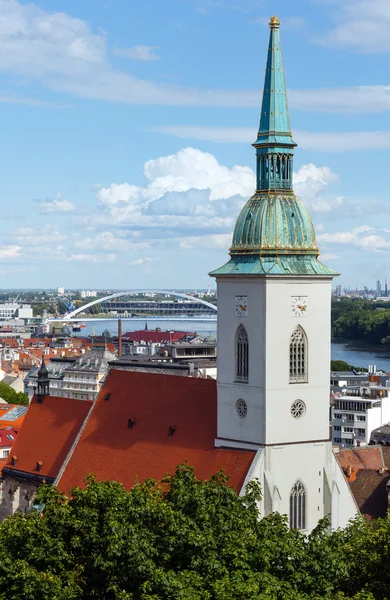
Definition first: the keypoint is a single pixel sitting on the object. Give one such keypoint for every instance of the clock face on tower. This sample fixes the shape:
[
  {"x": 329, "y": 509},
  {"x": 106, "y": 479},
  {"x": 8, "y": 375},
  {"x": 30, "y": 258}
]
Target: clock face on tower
[
  {"x": 241, "y": 306},
  {"x": 298, "y": 305}
]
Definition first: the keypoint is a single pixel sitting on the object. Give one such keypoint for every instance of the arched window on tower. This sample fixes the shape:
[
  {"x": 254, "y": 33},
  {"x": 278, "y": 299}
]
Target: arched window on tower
[
  {"x": 242, "y": 354},
  {"x": 298, "y": 356},
  {"x": 298, "y": 506}
]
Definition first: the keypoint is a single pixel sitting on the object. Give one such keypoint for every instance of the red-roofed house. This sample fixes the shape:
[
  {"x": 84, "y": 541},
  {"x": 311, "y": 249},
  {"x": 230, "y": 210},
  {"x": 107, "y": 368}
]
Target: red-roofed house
[{"x": 49, "y": 430}]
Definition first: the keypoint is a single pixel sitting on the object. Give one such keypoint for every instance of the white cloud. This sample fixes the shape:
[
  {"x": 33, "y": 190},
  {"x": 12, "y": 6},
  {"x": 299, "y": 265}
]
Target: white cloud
[
  {"x": 140, "y": 261},
  {"x": 56, "y": 206},
  {"x": 138, "y": 53},
  {"x": 187, "y": 189},
  {"x": 65, "y": 55},
  {"x": 362, "y": 25},
  {"x": 328, "y": 256},
  {"x": 10, "y": 252},
  {"x": 218, "y": 241},
  {"x": 337, "y": 141},
  {"x": 364, "y": 236},
  {"x": 91, "y": 258},
  {"x": 106, "y": 240},
  {"x": 37, "y": 236},
  {"x": 310, "y": 182}
]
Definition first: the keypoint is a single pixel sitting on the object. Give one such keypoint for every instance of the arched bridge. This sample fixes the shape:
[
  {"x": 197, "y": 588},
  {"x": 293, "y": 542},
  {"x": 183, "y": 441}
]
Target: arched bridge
[{"x": 196, "y": 306}]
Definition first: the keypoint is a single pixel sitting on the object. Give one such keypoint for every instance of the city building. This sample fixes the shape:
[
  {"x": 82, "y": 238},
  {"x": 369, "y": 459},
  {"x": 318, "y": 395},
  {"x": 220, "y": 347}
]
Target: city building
[
  {"x": 357, "y": 412},
  {"x": 88, "y": 294},
  {"x": 56, "y": 368},
  {"x": 10, "y": 311},
  {"x": 267, "y": 415},
  {"x": 83, "y": 379},
  {"x": 61, "y": 291},
  {"x": 378, "y": 288}
]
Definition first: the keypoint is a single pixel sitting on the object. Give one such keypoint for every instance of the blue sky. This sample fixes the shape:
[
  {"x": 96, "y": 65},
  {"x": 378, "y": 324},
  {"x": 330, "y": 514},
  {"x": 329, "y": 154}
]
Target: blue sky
[{"x": 126, "y": 129}]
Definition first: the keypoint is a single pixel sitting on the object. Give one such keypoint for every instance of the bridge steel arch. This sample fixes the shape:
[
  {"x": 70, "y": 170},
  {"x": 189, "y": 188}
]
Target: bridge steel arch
[{"x": 75, "y": 312}]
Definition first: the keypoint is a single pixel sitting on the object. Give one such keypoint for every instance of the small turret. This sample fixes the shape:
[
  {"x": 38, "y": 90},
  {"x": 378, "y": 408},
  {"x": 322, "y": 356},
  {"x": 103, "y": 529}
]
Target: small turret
[{"x": 43, "y": 382}]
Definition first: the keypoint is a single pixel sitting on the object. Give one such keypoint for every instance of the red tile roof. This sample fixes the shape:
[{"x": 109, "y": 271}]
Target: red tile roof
[
  {"x": 48, "y": 432},
  {"x": 361, "y": 458},
  {"x": 8, "y": 436},
  {"x": 111, "y": 450},
  {"x": 146, "y": 335}
]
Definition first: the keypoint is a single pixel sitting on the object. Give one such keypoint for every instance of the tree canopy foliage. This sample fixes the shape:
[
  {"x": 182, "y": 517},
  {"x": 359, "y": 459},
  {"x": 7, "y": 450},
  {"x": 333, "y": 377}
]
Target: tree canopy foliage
[
  {"x": 183, "y": 539},
  {"x": 10, "y": 396},
  {"x": 360, "y": 319}
]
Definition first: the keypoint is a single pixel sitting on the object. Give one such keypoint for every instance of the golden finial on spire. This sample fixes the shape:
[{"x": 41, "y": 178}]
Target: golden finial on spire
[{"x": 274, "y": 22}]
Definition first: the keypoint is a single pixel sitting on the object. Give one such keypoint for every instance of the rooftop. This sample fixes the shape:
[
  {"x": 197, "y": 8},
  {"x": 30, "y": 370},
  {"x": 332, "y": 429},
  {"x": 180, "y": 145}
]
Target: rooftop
[
  {"x": 143, "y": 425},
  {"x": 48, "y": 432},
  {"x": 96, "y": 361}
]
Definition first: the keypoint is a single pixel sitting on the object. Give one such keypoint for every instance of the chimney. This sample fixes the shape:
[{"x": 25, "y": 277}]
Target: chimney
[
  {"x": 119, "y": 337},
  {"x": 349, "y": 471}
]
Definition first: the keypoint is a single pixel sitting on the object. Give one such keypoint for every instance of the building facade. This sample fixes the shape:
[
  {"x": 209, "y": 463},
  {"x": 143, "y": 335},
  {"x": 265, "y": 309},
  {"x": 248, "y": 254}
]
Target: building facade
[
  {"x": 357, "y": 412},
  {"x": 274, "y": 301}
]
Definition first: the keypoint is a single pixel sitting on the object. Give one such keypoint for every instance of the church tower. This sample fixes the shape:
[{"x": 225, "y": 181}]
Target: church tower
[{"x": 274, "y": 299}]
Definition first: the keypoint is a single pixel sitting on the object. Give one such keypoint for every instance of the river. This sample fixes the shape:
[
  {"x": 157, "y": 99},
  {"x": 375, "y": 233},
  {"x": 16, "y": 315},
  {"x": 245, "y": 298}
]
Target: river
[{"x": 353, "y": 356}]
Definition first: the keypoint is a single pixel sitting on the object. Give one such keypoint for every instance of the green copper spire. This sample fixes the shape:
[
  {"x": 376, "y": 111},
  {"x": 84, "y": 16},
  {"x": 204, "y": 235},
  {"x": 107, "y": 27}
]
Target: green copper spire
[
  {"x": 274, "y": 144},
  {"x": 274, "y": 234}
]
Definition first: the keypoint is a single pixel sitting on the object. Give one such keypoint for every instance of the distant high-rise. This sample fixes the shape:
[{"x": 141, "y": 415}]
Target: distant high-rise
[
  {"x": 378, "y": 288},
  {"x": 386, "y": 287}
]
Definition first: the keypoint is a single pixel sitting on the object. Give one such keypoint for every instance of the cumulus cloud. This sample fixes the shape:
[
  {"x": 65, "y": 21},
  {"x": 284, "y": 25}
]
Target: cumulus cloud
[
  {"x": 9, "y": 252},
  {"x": 68, "y": 56},
  {"x": 310, "y": 183},
  {"x": 188, "y": 189},
  {"x": 138, "y": 53},
  {"x": 57, "y": 205}
]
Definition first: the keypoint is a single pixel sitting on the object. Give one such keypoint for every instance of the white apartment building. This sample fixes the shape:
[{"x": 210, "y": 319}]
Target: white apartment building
[
  {"x": 10, "y": 311},
  {"x": 84, "y": 378},
  {"x": 357, "y": 413},
  {"x": 88, "y": 294}
]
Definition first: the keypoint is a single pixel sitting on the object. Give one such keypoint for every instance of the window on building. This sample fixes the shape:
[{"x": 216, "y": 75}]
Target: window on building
[
  {"x": 298, "y": 506},
  {"x": 298, "y": 356},
  {"x": 348, "y": 442},
  {"x": 337, "y": 427},
  {"x": 360, "y": 418},
  {"x": 5, "y": 453},
  {"x": 242, "y": 354},
  {"x": 348, "y": 429},
  {"x": 337, "y": 440}
]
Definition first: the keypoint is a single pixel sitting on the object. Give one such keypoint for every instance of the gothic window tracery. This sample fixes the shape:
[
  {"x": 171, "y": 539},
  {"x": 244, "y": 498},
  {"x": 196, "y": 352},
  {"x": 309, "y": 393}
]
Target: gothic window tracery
[
  {"x": 298, "y": 506},
  {"x": 242, "y": 354},
  {"x": 298, "y": 356}
]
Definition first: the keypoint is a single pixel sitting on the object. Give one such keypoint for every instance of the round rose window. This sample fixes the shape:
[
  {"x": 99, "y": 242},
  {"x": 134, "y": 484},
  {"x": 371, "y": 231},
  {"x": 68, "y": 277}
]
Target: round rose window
[
  {"x": 241, "y": 408},
  {"x": 298, "y": 409}
]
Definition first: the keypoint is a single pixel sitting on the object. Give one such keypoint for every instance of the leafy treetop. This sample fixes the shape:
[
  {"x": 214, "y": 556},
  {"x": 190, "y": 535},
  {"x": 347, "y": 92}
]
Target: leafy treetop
[{"x": 183, "y": 539}]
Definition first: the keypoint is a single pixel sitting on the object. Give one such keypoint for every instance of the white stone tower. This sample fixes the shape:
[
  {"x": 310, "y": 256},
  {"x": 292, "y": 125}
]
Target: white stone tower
[{"x": 274, "y": 299}]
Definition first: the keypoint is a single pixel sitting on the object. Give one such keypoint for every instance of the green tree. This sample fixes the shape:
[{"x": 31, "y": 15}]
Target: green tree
[
  {"x": 184, "y": 539},
  {"x": 8, "y": 394}
]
